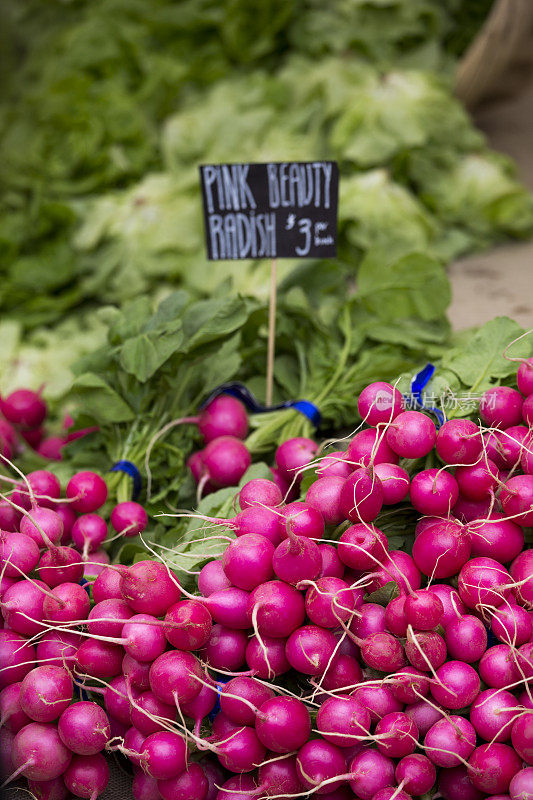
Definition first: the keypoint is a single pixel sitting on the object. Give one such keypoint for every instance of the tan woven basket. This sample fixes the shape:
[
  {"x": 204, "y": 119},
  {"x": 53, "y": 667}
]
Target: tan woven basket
[{"x": 500, "y": 59}]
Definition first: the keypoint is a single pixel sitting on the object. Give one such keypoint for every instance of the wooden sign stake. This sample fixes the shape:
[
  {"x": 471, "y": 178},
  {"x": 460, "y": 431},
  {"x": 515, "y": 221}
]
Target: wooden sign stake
[{"x": 271, "y": 330}]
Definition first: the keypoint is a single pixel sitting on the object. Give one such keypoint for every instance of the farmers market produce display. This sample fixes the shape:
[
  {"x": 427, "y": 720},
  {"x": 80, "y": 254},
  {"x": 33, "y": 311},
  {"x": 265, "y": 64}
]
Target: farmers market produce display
[{"x": 312, "y": 655}]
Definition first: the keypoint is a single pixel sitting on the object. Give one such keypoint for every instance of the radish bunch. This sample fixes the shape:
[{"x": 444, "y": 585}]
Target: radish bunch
[
  {"x": 22, "y": 417},
  {"x": 315, "y": 658}
]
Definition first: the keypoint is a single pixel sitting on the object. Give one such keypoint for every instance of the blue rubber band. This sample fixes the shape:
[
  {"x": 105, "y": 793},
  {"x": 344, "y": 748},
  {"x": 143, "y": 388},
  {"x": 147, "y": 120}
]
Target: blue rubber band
[
  {"x": 130, "y": 469},
  {"x": 418, "y": 384},
  {"x": 242, "y": 393},
  {"x": 221, "y": 681}
]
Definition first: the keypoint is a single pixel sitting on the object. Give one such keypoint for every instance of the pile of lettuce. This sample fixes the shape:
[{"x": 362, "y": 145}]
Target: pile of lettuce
[{"x": 110, "y": 105}]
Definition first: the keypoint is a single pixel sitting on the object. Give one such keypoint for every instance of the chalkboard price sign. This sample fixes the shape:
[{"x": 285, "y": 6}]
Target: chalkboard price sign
[{"x": 277, "y": 210}]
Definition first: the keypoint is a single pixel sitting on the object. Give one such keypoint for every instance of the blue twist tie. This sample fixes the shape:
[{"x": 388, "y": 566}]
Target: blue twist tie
[
  {"x": 418, "y": 384},
  {"x": 130, "y": 469},
  {"x": 242, "y": 393},
  {"x": 221, "y": 681}
]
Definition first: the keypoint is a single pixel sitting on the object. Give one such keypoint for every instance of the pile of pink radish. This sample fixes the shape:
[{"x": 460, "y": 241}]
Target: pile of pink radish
[
  {"x": 282, "y": 678},
  {"x": 22, "y": 424}
]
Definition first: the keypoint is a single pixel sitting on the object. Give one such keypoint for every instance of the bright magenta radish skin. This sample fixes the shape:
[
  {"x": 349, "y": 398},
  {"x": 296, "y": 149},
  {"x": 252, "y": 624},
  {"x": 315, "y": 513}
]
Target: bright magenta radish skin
[
  {"x": 501, "y": 407},
  {"x": 411, "y": 435},
  {"x": 309, "y": 649},
  {"x": 423, "y": 610},
  {"x": 441, "y": 550},
  {"x": 174, "y": 675},
  {"x": 89, "y": 532},
  {"x": 22, "y": 607},
  {"x": 72, "y": 603},
  {"x": 450, "y": 740},
  {"x": 477, "y": 480},
  {"x": 107, "y": 584},
  {"x": 267, "y": 522},
  {"x": 24, "y": 407},
  {"x": 247, "y": 561},
  {"x": 370, "y": 771},
  {"x": 11, "y": 713},
  {"x": 45, "y": 693},
  {"x": 361, "y": 496},
  {"x": 417, "y": 773},
  {"x": 378, "y": 700},
  {"x": 60, "y": 565},
  {"x": 248, "y": 688},
  {"x": 522, "y": 573},
  {"x": 223, "y": 416},
  {"x": 47, "y": 520},
  {"x": 466, "y": 638},
  {"x": 423, "y": 715},
  {"x": 147, "y": 706},
  {"x": 517, "y": 499},
  {"x": 460, "y": 685},
  {"x": 279, "y": 609},
  {"x": 324, "y": 495},
  {"x": 383, "y": 652},
  {"x": 342, "y": 720},
  {"x": 57, "y": 646},
  {"x": 369, "y": 447},
  {"x": 434, "y": 492},
  {"x": 259, "y": 491},
  {"x": 379, "y": 402},
  {"x": 512, "y": 625},
  {"x": 344, "y": 672},
  {"x": 362, "y": 547},
  {"x": 522, "y": 737},
  {"x": 425, "y": 649},
  {"x": 329, "y": 602},
  {"x": 226, "y": 648},
  {"x": 293, "y": 454},
  {"x": 18, "y": 553},
  {"x": 87, "y": 776},
  {"x": 498, "y": 667},
  {"x": 371, "y": 620},
  {"x": 394, "y": 482},
  {"x": 398, "y": 735},
  {"x": 279, "y": 777},
  {"x": 143, "y": 637},
  {"x": 190, "y": 785},
  {"x": 99, "y": 659},
  {"x": 332, "y": 566},
  {"x": 229, "y": 607},
  {"x": 395, "y": 619},
  {"x": 334, "y": 464},
  {"x": 268, "y": 666},
  {"x": 283, "y": 724},
  {"x": 497, "y": 538},
  {"x": 492, "y": 714},
  {"x": 524, "y": 377},
  {"x": 242, "y": 752},
  {"x": 108, "y": 617},
  {"x": 410, "y": 684},
  {"x": 521, "y": 785},
  {"x": 493, "y": 766},
  {"x": 116, "y": 699},
  {"x": 399, "y": 567},
  {"x": 129, "y": 518},
  {"x": 149, "y": 587},
  {"x": 39, "y": 747},
  {"x": 318, "y": 761},
  {"x": 189, "y": 625},
  {"x": 164, "y": 755},
  {"x": 452, "y": 603},
  {"x": 459, "y": 442},
  {"x": 84, "y": 728},
  {"x": 302, "y": 519},
  {"x": 226, "y": 459},
  {"x": 212, "y": 578},
  {"x": 483, "y": 581},
  {"x": 88, "y": 491}
]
